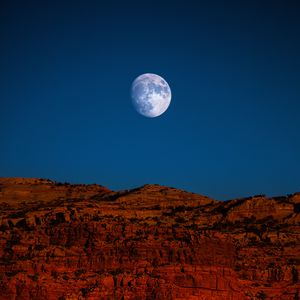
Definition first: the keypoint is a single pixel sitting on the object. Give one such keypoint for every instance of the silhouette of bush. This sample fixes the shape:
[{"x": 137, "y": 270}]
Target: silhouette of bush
[
  {"x": 65, "y": 277},
  {"x": 14, "y": 240},
  {"x": 39, "y": 247},
  {"x": 250, "y": 220},
  {"x": 12, "y": 273},
  {"x": 281, "y": 199},
  {"x": 10, "y": 224},
  {"x": 59, "y": 218},
  {"x": 180, "y": 208},
  {"x": 156, "y": 207},
  {"x": 22, "y": 224},
  {"x": 37, "y": 220},
  {"x": 297, "y": 207},
  {"x": 180, "y": 220},
  {"x": 237, "y": 268},
  {"x": 16, "y": 215},
  {"x": 54, "y": 274},
  {"x": 116, "y": 272},
  {"x": 295, "y": 275},
  {"x": 133, "y": 220},
  {"x": 261, "y": 295},
  {"x": 192, "y": 227},
  {"x": 253, "y": 241},
  {"x": 34, "y": 277},
  {"x": 84, "y": 292},
  {"x": 3, "y": 228}
]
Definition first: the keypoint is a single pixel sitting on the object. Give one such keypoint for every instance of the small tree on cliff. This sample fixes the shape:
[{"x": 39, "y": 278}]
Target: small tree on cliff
[{"x": 261, "y": 295}]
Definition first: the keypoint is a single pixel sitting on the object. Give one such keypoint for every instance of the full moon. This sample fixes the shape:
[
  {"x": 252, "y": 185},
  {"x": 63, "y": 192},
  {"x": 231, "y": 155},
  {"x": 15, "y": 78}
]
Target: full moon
[{"x": 151, "y": 95}]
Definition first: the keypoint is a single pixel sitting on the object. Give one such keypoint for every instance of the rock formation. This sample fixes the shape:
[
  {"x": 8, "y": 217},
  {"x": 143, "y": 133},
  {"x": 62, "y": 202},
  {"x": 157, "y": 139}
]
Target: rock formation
[{"x": 64, "y": 241}]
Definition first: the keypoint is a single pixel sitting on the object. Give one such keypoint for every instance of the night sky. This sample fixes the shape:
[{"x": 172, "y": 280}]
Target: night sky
[{"x": 232, "y": 129}]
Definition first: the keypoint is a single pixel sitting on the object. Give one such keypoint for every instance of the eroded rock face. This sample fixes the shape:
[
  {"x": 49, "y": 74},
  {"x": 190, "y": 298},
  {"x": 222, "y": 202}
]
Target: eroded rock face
[{"x": 62, "y": 241}]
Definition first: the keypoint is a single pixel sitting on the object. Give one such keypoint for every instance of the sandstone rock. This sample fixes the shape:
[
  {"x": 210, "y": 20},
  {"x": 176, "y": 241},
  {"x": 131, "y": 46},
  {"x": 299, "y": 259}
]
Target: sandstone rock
[{"x": 63, "y": 241}]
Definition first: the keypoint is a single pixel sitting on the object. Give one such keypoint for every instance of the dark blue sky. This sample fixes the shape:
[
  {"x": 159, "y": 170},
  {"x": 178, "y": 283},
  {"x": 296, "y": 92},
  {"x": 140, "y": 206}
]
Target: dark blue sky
[{"x": 232, "y": 128}]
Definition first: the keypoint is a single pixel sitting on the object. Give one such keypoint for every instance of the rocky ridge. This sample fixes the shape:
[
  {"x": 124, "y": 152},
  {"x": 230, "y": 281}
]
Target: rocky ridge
[{"x": 64, "y": 241}]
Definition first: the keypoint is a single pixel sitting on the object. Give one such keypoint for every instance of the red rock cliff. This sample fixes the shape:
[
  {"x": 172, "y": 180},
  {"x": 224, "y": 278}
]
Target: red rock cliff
[{"x": 62, "y": 241}]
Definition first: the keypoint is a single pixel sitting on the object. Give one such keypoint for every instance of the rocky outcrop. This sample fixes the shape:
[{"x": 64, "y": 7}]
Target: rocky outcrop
[{"x": 63, "y": 241}]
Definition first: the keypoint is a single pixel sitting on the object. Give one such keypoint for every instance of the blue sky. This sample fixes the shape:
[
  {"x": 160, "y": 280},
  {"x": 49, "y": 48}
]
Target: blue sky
[{"x": 232, "y": 128}]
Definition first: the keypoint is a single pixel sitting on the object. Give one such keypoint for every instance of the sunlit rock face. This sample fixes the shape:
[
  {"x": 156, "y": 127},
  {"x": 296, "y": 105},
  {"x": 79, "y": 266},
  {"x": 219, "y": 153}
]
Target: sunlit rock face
[{"x": 62, "y": 241}]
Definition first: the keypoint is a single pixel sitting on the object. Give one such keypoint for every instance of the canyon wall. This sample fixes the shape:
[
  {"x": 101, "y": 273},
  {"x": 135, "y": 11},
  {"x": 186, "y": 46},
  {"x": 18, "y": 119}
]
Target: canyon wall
[{"x": 63, "y": 241}]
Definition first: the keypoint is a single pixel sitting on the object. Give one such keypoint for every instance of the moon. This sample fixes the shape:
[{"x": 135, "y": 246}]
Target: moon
[{"x": 151, "y": 95}]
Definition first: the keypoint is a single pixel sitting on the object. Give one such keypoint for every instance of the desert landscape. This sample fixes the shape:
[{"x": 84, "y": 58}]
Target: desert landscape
[{"x": 67, "y": 241}]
